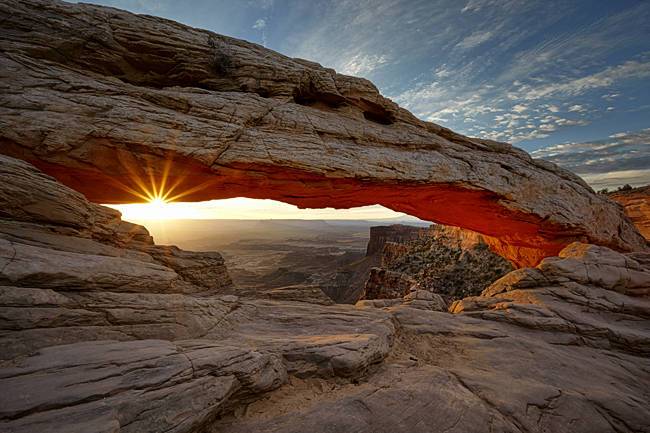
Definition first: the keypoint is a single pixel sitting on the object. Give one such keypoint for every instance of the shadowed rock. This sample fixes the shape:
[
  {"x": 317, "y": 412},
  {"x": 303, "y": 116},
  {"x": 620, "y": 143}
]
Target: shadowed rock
[{"x": 108, "y": 102}]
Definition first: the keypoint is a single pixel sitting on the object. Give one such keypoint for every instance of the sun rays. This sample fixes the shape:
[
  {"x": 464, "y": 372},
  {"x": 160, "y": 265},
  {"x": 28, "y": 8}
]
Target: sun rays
[
  {"x": 169, "y": 191},
  {"x": 157, "y": 191},
  {"x": 147, "y": 180}
]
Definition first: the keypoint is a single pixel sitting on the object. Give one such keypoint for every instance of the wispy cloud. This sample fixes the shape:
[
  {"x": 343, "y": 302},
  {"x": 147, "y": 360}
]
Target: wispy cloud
[
  {"x": 622, "y": 155},
  {"x": 463, "y": 64},
  {"x": 475, "y": 39},
  {"x": 260, "y": 24},
  {"x": 363, "y": 64},
  {"x": 632, "y": 69}
]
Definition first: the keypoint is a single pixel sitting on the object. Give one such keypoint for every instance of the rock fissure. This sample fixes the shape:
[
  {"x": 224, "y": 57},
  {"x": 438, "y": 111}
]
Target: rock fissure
[{"x": 489, "y": 404}]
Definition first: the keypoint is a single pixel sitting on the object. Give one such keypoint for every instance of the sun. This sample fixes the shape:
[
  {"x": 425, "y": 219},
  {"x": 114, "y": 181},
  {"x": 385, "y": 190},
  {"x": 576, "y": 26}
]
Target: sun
[
  {"x": 156, "y": 208},
  {"x": 156, "y": 194},
  {"x": 157, "y": 205}
]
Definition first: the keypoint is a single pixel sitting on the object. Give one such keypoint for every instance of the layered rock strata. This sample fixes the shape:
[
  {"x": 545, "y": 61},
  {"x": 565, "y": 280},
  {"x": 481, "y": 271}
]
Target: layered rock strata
[
  {"x": 99, "y": 334},
  {"x": 395, "y": 233},
  {"x": 116, "y": 105},
  {"x": 636, "y": 203}
]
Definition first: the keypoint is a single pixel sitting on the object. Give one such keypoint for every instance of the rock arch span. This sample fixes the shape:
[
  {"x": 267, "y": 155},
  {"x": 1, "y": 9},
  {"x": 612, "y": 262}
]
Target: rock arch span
[{"x": 106, "y": 101}]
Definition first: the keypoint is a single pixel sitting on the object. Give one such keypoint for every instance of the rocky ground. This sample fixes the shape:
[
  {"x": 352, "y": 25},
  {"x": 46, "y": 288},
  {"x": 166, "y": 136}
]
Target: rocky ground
[{"x": 127, "y": 336}]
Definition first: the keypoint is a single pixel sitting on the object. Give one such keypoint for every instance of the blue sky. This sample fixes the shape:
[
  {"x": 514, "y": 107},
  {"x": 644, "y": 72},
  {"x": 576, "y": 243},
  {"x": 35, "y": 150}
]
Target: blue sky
[{"x": 560, "y": 79}]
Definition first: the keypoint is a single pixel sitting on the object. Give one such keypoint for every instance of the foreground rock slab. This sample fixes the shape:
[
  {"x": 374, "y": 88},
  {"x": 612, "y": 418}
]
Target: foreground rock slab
[{"x": 118, "y": 105}]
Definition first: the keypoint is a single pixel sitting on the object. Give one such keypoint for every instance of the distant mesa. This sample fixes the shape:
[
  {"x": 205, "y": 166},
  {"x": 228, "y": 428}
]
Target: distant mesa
[
  {"x": 449, "y": 262},
  {"x": 102, "y": 100}
]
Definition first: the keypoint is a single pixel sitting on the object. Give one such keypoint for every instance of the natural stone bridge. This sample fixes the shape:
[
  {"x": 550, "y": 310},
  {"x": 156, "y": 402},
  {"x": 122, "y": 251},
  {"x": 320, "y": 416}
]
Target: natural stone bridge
[
  {"x": 103, "y": 331},
  {"x": 110, "y": 103}
]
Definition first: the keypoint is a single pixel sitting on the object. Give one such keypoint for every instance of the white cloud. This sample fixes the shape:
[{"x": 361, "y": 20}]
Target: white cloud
[
  {"x": 611, "y": 96},
  {"x": 548, "y": 127},
  {"x": 519, "y": 108},
  {"x": 443, "y": 72},
  {"x": 362, "y": 64},
  {"x": 260, "y": 24},
  {"x": 576, "y": 108},
  {"x": 632, "y": 69},
  {"x": 477, "y": 5},
  {"x": 475, "y": 39}
]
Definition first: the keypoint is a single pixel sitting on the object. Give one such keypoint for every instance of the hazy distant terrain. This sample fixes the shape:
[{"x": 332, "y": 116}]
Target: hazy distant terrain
[{"x": 263, "y": 254}]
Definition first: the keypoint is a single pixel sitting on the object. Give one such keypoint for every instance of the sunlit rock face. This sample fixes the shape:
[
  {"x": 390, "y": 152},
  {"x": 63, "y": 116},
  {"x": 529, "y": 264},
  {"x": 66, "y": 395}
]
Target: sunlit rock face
[
  {"x": 109, "y": 102},
  {"x": 637, "y": 206},
  {"x": 396, "y": 233}
]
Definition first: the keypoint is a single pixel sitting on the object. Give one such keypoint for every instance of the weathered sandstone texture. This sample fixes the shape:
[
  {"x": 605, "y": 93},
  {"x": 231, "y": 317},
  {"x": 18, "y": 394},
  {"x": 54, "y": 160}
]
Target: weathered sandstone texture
[
  {"x": 637, "y": 206},
  {"x": 110, "y": 103},
  {"x": 102, "y": 331}
]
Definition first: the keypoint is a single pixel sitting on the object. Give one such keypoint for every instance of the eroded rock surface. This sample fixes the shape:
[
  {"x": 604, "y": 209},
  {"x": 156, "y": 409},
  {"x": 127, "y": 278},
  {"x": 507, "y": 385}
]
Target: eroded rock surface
[
  {"x": 636, "y": 203},
  {"x": 120, "y": 340},
  {"x": 106, "y": 101},
  {"x": 562, "y": 347},
  {"x": 129, "y": 336}
]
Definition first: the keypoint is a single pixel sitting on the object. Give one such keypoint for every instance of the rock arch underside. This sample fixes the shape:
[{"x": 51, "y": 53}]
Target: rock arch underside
[
  {"x": 103, "y": 101},
  {"x": 103, "y": 331}
]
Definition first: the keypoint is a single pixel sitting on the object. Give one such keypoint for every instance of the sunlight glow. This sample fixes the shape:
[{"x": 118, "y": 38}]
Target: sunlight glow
[
  {"x": 244, "y": 208},
  {"x": 161, "y": 197}
]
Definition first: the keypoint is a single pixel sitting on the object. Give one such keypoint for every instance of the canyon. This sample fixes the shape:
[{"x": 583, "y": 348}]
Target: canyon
[{"x": 103, "y": 330}]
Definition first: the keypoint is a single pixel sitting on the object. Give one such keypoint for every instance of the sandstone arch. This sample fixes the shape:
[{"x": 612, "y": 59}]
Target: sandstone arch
[{"x": 103, "y": 100}]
